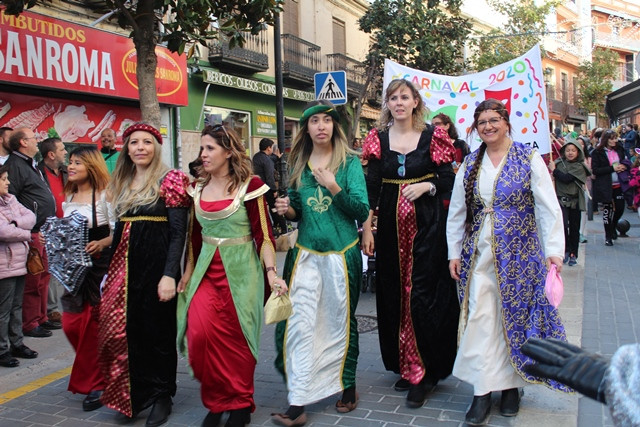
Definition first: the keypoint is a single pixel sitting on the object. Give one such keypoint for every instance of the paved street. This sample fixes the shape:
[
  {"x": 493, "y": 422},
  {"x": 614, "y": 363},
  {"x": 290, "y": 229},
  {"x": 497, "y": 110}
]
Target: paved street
[{"x": 35, "y": 394}]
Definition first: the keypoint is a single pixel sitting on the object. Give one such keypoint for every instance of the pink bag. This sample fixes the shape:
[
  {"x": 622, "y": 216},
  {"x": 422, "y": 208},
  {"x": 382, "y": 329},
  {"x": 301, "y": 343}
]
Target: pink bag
[{"x": 553, "y": 287}]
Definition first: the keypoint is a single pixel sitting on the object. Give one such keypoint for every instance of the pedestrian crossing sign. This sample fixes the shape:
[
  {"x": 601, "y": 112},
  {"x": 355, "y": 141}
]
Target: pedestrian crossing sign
[{"x": 331, "y": 86}]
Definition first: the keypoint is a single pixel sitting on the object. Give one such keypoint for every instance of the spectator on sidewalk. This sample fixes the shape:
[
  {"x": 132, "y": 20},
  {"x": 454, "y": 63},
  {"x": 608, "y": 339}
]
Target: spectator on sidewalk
[
  {"x": 85, "y": 193},
  {"x": 108, "y": 150},
  {"x": 263, "y": 167},
  {"x": 501, "y": 261},
  {"x": 5, "y": 133},
  {"x": 52, "y": 166},
  {"x": 629, "y": 136},
  {"x": 608, "y": 162},
  {"x": 32, "y": 191},
  {"x": 570, "y": 175},
  {"x": 16, "y": 222}
]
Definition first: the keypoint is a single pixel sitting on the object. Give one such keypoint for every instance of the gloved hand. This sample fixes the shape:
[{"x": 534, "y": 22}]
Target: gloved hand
[{"x": 568, "y": 364}]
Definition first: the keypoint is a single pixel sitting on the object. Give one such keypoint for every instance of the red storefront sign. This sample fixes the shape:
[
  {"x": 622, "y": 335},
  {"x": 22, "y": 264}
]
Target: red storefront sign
[
  {"x": 41, "y": 51},
  {"x": 72, "y": 121}
]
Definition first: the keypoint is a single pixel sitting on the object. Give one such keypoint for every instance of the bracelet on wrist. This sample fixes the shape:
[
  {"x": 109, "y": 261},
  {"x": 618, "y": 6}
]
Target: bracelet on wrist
[{"x": 274, "y": 269}]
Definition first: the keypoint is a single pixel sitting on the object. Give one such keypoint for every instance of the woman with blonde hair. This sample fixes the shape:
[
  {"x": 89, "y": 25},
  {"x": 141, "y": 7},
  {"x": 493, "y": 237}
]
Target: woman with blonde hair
[
  {"x": 137, "y": 332},
  {"x": 220, "y": 321},
  {"x": 318, "y": 345},
  {"x": 409, "y": 175},
  {"x": 85, "y": 193}
]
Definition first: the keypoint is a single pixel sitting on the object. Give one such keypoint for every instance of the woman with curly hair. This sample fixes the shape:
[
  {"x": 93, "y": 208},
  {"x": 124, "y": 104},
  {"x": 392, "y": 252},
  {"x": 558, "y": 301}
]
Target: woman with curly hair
[{"x": 221, "y": 318}]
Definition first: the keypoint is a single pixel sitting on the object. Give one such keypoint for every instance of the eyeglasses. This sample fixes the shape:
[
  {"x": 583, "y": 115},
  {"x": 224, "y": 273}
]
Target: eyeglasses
[
  {"x": 494, "y": 121},
  {"x": 401, "y": 159}
]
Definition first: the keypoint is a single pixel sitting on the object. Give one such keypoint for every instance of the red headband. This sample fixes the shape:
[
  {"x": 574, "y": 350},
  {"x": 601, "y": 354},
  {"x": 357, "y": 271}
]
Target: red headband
[{"x": 143, "y": 127}]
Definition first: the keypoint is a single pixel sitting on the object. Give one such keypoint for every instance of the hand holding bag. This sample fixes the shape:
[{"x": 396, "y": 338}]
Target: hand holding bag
[
  {"x": 553, "y": 287},
  {"x": 277, "y": 308},
  {"x": 34, "y": 261}
]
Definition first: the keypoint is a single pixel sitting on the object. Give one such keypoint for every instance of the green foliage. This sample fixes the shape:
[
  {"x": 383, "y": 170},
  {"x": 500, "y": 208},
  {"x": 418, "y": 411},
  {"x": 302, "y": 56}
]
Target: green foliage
[
  {"x": 524, "y": 28},
  {"x": 427, "y": 35},
  {"x": 594, "y": 79}
]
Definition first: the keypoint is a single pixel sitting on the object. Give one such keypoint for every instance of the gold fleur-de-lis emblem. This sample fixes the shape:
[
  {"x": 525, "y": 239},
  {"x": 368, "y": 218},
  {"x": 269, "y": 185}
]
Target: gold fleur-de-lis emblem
[{"x": 319, "y": 203}]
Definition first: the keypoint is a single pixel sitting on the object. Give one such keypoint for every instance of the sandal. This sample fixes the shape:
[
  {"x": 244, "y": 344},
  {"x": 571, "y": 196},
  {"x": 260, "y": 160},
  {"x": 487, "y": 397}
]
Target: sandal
[
  {"x": 343, "y": 408},
  {"x": 285, "y": 420}
]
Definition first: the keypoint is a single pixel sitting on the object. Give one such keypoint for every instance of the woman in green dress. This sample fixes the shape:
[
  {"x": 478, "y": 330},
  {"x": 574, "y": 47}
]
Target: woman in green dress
[{"x": 318, "y": 344}]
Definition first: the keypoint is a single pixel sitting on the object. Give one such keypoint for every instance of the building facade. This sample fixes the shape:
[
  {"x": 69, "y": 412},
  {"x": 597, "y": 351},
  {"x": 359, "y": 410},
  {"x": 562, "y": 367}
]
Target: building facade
[{"x": 236, "y": 87}]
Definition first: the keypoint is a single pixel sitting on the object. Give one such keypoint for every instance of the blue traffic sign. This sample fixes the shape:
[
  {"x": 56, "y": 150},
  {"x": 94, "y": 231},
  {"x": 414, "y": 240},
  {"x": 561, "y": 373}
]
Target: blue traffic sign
[{"x": 331, "y": 86}]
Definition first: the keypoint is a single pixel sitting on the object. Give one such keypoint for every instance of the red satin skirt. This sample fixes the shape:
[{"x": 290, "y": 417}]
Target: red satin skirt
[
  {"x": 218, "y": 351},
  {"x": 81, "y": 330}
]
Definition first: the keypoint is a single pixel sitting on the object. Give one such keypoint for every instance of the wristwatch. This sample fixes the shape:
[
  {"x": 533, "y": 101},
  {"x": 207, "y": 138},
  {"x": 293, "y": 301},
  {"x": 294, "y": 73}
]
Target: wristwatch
[{"x": 432, "y": 189}]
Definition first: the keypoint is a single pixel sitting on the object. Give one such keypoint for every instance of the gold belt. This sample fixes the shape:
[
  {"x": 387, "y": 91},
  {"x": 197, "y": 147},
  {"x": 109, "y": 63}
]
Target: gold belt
[
  {"x": 226, "y": 241},
  {"x": 408, "y": 181},
  {"x": 144, "y": 218}
]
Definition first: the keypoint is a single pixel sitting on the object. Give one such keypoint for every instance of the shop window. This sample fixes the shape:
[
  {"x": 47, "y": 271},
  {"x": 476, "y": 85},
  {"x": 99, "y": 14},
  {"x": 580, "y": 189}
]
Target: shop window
[{"x": 239, "y": 121}]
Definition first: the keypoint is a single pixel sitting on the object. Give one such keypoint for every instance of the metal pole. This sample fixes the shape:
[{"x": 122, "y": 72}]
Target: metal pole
[{"x": 277, "y": 46}]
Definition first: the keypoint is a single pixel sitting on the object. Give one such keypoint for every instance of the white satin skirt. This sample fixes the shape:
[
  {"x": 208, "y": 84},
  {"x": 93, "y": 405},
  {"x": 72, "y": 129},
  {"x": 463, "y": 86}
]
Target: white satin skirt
[{"x": 316, "y": 339}]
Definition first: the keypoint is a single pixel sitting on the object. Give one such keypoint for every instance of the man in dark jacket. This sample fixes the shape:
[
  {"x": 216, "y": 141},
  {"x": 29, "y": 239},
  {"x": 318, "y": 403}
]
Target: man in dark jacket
[
  {"x": 53, "y": 169},
  {"x": 32, "y": 191},
  {"x": 263, "y": 167}
]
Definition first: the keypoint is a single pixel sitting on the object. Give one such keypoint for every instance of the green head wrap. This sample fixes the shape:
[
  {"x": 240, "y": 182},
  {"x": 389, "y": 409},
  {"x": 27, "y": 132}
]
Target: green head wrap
[{"x": 316, "y": 109}]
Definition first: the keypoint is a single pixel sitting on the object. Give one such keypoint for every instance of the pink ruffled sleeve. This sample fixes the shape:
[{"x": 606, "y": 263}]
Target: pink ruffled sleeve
[
  {"x": 442, "y": 149},
  {"x": 371, "y": 146},
  {"x": 174, "y": 189}
]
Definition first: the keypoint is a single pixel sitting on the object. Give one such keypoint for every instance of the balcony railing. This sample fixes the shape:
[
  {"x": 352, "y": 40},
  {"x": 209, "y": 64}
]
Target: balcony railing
[
  {"x": 251, "y": 57},
  {"x": 300, "y": 59},
  {"x": 353, "y": 68}
]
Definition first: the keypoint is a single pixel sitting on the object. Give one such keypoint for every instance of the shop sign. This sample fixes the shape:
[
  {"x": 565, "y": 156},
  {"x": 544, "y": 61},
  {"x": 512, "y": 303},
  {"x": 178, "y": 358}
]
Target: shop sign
[
  {"x": 237, "y": 82},
  {"x": 266, "y": 123},
  {"x": 42, "y": 51},
  {"x": 72, "y": 121}
]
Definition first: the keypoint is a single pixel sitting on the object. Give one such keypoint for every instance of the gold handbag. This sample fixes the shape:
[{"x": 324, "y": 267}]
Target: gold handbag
[{"x": 277, "y": 308}]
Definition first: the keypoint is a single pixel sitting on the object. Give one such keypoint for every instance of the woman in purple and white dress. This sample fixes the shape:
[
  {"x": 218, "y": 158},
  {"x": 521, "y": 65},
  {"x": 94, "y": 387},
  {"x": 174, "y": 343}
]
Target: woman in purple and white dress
[{"x": 504, "y": 230}]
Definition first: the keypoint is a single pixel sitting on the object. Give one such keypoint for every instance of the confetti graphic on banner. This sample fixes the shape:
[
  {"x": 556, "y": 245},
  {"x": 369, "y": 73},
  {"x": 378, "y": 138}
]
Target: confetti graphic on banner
[{"x": 515, "y": 83}]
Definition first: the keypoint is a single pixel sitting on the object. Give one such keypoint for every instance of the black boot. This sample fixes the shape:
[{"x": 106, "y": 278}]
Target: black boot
[
  {"x": 418, "y": 392},
  {"x": 510, "y": 402},
  {"x": 212, "y": 419},
  {"x": 239, "y": 417},
  {"x": 160, "y": 412},
  {"x": 479, "y": 411}
]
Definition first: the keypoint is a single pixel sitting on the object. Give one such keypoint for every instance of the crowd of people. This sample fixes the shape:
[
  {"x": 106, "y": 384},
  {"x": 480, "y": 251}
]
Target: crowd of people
[{"x": 184, "y": 265}]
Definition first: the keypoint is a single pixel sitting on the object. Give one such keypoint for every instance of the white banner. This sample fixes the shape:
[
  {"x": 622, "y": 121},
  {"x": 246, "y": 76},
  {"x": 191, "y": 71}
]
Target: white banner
[{"x": 519, "y": 84}]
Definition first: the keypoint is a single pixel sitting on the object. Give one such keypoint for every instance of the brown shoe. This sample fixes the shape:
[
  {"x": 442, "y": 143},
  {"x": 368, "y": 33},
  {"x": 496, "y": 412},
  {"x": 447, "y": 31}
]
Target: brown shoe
[
  {"x": 343, "y": 408},
  {"x": 55, "y": 316},
  {"x": 284, "y": 420}
]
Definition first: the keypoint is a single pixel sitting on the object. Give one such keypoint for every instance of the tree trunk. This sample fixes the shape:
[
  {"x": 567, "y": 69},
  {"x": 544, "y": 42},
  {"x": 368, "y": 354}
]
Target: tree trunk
[{"x": 144, "y": 39}]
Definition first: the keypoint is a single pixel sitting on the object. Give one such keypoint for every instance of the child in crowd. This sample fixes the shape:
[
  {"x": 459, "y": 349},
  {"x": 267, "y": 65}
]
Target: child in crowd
[{"x": 570, "y": 173}]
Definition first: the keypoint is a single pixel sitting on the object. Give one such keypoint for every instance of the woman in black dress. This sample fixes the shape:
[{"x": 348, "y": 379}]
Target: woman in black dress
[{"x": 409, "y": 171}]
